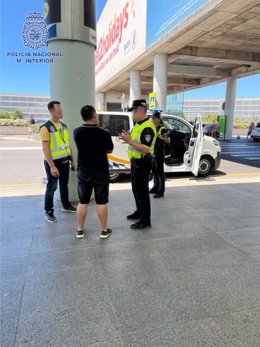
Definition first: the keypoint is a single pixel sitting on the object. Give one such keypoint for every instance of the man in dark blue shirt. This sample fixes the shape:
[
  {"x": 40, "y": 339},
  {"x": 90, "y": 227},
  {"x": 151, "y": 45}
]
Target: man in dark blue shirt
[{"x": 93, "y": 144}]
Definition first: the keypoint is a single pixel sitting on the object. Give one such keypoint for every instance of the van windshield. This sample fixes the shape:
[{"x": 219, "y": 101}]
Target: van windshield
[{"x": 176, "y": 124}]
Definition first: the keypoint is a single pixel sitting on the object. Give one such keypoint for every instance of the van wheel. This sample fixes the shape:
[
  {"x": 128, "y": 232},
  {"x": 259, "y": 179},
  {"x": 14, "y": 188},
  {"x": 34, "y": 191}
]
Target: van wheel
[
  {"x": 206, "y": 165},
  {"x": 114, "y": 177}
]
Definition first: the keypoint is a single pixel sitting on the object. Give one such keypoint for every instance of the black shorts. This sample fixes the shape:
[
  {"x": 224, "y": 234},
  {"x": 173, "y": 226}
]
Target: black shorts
[{"x": 87, "y": 181}]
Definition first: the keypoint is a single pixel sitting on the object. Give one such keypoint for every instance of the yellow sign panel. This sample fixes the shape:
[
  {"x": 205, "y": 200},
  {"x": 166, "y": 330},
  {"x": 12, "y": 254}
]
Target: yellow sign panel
[{"x": 152, "y": 101}]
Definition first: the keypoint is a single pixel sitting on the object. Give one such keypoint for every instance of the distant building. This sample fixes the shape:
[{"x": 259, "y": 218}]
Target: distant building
[
  {"x": 175, "y": 103},
  {"x": 31, "y": 105},
  {"x": 245, "y": 108},
  {"x": 36, "y": 105}
]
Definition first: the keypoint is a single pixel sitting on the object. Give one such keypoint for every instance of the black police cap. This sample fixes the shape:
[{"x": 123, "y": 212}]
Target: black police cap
[
  {"x": 137, "y": 103},
  {"x": 156, "y": 114}
]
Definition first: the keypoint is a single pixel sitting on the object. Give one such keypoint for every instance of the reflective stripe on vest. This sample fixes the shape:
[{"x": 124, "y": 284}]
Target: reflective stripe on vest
[
  {"x": 59, "y": 141},
  {"x": 159, "y": 133},
  {"x": 136, "y": 136}
]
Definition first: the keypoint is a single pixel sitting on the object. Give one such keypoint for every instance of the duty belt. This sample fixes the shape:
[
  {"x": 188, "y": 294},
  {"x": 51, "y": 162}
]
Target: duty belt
[{"x": 145, "y": 158}]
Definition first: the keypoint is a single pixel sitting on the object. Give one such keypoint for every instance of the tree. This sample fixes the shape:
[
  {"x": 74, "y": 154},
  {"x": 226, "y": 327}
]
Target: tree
[
  {"x": 209, "y": 118},
  {"x": 4, "y": 115},
  {"x": 17, "y": 114}
]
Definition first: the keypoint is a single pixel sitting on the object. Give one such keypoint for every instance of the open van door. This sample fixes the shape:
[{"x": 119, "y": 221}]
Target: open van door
[{"x": 193, "y": 154}]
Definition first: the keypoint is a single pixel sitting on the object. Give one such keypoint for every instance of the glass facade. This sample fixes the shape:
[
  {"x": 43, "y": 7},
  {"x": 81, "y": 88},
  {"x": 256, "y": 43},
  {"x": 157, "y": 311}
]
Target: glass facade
[
  {"x": 245, "y": 108},
  {"x": 30, "y": 105},
  {"x": 174, "y": 104}
]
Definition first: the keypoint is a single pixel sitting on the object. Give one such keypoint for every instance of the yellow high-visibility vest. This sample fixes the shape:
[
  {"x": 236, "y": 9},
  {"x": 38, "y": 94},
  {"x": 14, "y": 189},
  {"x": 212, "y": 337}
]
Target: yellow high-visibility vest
[
  {"x": 59, "y": 141},
  {"x": 159, "y": 133},
  {"x": 136, "y": 136}
]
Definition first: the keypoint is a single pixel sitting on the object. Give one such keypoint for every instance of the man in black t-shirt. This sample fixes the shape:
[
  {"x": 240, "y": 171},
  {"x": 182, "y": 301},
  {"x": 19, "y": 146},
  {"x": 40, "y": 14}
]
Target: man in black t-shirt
[{"x": 93, "y": 144}]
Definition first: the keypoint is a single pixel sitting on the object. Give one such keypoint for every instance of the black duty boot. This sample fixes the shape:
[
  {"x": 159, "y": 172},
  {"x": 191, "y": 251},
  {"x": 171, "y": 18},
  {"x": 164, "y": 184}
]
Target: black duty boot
[
  {"x": 158, "y": 195},
  {"x": 141, "y": 225},
  {"x": 134, "y": 216}
]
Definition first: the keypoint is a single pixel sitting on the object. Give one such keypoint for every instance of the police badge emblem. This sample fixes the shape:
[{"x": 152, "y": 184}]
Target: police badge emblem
[
  {"x": 148, "y": 138},
  {"x": 35, "y": 33},
  {"x": 52, "y": 129}
]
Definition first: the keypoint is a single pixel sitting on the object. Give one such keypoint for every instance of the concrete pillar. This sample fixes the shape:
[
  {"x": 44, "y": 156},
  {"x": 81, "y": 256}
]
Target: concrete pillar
[
  {"x": 72, "y": 32},
  {"x": 101, "y": 102},
  {"x": 160, "y": 80},
  {"x": 135, "y": 86},
  {"x": 72, "y": 88},
  {"x": 230, "y": 106}
]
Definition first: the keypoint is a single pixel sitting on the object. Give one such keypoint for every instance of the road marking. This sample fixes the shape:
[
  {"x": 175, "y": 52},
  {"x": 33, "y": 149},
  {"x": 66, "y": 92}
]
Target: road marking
[
  {"x": 242, "y": 174},
  {"x": 242, "y": 156},
  {"x": 18, "y": 148},
  {"x": 252, "y": 145},
  {"x": 39, "y": 184},
  {"x": 21, "y": 185},
  {"x": 238, "y": 152}
]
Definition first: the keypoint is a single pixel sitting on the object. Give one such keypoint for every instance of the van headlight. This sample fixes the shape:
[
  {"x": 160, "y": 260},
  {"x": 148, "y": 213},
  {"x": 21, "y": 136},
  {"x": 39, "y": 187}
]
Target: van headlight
[{"x": 216, "y": 143}]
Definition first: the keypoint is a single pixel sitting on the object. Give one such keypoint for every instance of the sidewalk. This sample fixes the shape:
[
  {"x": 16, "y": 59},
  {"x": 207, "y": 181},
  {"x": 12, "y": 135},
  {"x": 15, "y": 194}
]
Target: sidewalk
[{"x": 192, "y": 280}]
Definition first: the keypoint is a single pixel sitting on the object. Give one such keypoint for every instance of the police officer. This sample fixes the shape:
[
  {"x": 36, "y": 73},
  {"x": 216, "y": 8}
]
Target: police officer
[
  {"x": 159, "y": 155},
  {"x": 141, "y": 148},
  {"x": 58, "y": 156}
]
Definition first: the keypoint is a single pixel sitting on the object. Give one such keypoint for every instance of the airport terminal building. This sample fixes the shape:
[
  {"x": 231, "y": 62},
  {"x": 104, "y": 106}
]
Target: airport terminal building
[
  {"x": 245, "y": 109},
  {"x": 150, "y": 48},
  {"x": 159, "y": 50}
]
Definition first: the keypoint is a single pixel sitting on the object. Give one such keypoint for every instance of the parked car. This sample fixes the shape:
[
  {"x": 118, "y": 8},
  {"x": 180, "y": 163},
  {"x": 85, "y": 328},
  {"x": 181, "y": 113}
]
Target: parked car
[
  {"x": 188, "y": 151},
  {"x": 255, "y": 133}
]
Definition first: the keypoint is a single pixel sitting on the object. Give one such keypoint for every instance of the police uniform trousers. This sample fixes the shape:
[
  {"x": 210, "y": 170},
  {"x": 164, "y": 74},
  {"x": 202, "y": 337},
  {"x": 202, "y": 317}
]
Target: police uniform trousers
[
  {"x": 140, "y": 171},
  {"x": 52, "y": 184},
  {"x": 158, "y": 171}
]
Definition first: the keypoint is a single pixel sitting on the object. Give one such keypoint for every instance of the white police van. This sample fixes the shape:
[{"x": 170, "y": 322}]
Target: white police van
[{"x": 188, "y": 151}]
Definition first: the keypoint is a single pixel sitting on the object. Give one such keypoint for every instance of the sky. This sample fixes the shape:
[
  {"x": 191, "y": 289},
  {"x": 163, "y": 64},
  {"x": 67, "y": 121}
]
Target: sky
[
  {"x": 100, "y": 6},
  {"x": 22, "y": 78}
]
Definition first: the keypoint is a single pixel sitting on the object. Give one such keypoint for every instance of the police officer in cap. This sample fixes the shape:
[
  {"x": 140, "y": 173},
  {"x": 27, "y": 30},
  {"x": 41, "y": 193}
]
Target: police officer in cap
[
  {"x": 140, "y": 152},
  {"x": 159, "y": 155}
]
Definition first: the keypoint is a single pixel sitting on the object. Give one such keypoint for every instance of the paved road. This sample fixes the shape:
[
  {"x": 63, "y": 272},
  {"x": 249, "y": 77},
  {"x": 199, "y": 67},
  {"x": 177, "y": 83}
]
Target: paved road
[
  {"x": 21, "y": 162},
  {"x": 242, "y": 151},
  {"x": 22, "y": 171}
]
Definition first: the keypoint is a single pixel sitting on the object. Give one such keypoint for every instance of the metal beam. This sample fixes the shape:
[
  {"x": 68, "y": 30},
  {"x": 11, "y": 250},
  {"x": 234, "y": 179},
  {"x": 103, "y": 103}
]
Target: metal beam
[
  {"x": 218, "y": 55},
  {"x": 207, "y": 80},
  {"x": 173, "y": 81},
  {"x": 118, "y": 90},
  {"x": 183, "y": 81},
  {"x": 245, "y": 70},
  {"x": 194, "y": 70}
]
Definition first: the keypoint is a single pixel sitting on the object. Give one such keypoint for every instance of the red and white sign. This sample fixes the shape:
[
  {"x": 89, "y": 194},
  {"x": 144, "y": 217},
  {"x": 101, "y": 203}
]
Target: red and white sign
[{"x": 121, "y": 37}]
